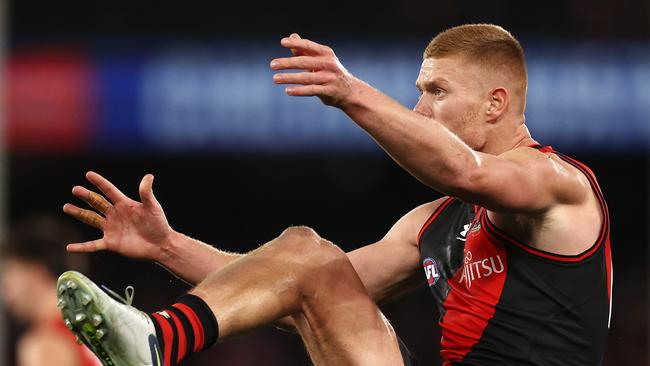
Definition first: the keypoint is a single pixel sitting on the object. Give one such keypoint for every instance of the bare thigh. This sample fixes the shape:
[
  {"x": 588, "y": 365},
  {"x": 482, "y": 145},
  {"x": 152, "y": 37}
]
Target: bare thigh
[
  {"x": 312, "y": 281},
  {"x": 341, "y": 325}
]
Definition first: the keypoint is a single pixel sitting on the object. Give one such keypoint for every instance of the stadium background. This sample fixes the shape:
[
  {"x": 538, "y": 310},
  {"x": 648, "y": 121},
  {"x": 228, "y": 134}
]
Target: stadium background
[{"x": 183, "y": 90}]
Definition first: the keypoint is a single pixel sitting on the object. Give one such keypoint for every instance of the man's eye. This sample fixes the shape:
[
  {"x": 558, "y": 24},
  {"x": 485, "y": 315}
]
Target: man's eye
[{"x": 438, "y": 92}]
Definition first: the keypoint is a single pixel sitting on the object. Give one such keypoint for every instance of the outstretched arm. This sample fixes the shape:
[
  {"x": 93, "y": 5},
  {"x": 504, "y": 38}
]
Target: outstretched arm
[
  {"x": 523, "y": 180},
  {"x": 387, "y": 268}
]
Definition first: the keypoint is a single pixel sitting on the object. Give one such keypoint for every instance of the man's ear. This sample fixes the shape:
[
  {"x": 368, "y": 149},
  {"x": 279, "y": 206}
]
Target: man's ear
[{"x": 499, "y": 100}]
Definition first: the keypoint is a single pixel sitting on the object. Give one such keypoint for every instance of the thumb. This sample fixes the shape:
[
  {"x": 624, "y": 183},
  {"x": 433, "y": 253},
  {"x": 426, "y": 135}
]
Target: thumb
[{"x": 146, "y": 191}]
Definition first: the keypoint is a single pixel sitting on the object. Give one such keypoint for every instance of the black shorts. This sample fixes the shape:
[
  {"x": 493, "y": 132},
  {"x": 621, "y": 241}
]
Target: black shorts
[{"x": 407, "y": 356}]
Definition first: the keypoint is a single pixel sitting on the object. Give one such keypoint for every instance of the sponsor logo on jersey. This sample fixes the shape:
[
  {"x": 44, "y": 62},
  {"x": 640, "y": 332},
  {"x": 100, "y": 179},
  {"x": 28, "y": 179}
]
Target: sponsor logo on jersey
[
  {"x": 478, "y": 268},
  {"x": 431, "y": 270}
]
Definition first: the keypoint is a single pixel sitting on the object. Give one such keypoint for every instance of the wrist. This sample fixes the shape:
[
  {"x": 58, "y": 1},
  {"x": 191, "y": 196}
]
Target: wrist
[
  {"x": 169, "y": 248},
  {"x": 357, "y": 97}
]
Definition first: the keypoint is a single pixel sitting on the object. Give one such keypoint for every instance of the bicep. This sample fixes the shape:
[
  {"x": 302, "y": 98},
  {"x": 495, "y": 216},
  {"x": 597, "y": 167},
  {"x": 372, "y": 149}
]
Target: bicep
[
  {"x": 391, "y": 267},
  {"x": 387, "y": 269}
]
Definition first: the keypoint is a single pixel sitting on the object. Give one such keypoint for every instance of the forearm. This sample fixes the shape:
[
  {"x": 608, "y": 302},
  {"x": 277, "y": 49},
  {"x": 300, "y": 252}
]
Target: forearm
[
  {"x": 421, "y": 145},
  {"x": 191, "y": 259}
]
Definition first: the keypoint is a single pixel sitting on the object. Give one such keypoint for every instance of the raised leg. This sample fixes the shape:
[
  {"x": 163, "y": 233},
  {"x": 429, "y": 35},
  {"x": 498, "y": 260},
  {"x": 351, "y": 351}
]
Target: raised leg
[{"x": 303, "y": 276}]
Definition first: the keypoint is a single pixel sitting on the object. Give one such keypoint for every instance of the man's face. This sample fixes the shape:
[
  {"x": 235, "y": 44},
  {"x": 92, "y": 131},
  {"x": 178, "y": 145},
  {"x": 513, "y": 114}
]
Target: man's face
[{"x": 453, "y": 93}]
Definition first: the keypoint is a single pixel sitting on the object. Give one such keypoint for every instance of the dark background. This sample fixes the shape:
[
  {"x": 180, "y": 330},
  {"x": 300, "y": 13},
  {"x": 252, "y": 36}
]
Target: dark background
[
  {"x": 238, "y": 201},
  {"x": 121, "y": 18}
]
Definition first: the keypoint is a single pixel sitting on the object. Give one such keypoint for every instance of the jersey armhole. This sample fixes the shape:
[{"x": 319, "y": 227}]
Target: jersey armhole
[{"x": 433, "y": 217}]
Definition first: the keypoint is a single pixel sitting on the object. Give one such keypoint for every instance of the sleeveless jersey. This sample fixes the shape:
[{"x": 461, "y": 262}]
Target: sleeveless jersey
[{"x": 503, "y": 302}]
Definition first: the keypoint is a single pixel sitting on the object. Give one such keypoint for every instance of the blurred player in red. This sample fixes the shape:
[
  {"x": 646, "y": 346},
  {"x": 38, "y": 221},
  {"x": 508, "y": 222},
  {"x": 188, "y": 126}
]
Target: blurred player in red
[
  {"x": 31, "y": 258},
  {"x": 517, "y": 254}
]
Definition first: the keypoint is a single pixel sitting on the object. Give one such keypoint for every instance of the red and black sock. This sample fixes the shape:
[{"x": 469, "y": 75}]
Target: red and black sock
[{"x": 186, "y": 327}]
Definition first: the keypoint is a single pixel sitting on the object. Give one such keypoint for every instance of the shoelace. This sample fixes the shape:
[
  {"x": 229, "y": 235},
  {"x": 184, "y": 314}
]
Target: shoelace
[{"x": 129, "y": 293}]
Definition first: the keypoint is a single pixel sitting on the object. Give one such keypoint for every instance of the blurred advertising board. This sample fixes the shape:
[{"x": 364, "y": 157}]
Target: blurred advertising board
[{"x": 219, "y": 97}]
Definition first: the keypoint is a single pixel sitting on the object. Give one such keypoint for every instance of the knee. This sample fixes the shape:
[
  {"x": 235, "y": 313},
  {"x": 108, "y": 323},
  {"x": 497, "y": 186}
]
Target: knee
[
  {"x": 318, "y": 266},
  {"x": 315, "y": 254},
  {"x": 298, "y": 234},
  {"x": 296, "y": 241}
]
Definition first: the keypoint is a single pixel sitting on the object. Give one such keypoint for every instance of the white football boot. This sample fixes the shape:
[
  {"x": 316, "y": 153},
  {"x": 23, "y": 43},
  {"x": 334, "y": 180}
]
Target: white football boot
[{"x": 118, "y": 334}]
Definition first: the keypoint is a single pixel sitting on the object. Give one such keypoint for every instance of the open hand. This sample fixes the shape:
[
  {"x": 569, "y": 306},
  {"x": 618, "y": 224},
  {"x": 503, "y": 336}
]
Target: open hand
[
  {"x": 322, "y": 76},
  {"x": 131, "y": 228}
]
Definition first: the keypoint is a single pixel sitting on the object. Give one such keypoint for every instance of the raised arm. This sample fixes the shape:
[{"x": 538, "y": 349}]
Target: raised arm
[
  {"x": 519, "y": 180},
  {"x": 522, "y": 180}
]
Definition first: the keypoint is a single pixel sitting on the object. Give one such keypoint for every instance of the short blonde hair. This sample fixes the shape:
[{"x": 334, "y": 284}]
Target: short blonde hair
[{"x": 485, "y": 44}]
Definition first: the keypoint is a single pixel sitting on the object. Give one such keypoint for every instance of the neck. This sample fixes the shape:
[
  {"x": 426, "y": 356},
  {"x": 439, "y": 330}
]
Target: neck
[
  {"x": 514, "y": 137},
  {"x": 522, "y": 138}
]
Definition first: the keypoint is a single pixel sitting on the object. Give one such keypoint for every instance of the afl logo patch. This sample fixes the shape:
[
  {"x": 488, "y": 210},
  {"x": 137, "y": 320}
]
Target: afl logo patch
[{"x": 431, "y": 270}]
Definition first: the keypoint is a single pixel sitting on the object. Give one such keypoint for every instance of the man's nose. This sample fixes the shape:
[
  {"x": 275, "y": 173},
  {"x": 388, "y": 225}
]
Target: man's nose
[{"x": 420, "y": 107}]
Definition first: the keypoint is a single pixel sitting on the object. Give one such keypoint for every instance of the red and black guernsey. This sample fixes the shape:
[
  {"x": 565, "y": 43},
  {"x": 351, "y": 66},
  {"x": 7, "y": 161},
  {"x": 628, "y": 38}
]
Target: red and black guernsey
[{"x": 503, "y": 302}]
